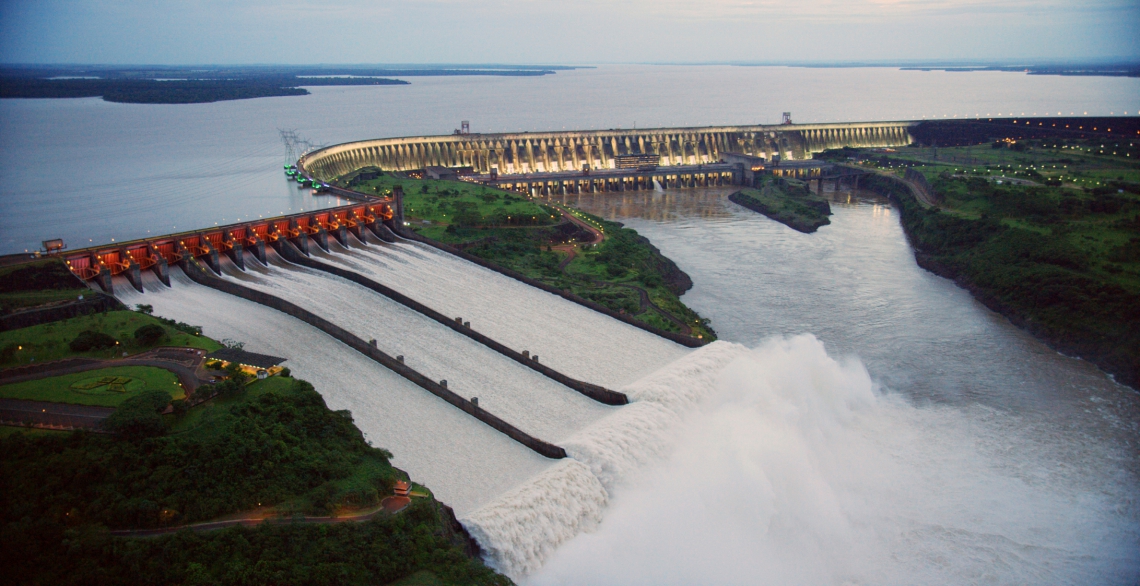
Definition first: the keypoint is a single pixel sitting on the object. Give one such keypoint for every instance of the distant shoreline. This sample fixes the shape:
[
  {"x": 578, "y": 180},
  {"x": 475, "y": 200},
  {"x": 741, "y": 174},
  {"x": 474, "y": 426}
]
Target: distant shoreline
[{"x": 185, "y": 85}]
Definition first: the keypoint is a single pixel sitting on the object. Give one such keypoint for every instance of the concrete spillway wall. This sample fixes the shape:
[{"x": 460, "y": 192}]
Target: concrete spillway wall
[
  {"x": 681, "y": 339},
  {"x": 548, "y": 152},
  {"x": 595, "y": 392},
  {"x": 202, "y": 277}
]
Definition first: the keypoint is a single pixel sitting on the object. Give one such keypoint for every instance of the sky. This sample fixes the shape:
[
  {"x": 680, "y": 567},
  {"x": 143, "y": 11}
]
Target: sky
[{"x": 564, "y": 32}]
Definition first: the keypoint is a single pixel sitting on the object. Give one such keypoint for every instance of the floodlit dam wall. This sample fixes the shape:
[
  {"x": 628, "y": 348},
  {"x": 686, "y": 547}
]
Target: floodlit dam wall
[{"x": 548, "y": 152}]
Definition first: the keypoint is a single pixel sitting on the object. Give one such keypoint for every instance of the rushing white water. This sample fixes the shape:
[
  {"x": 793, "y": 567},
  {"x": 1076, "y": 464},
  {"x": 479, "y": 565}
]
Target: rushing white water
[
  {"x": 523, "y": 528},
  {"x": 569, "y": 338},
  {"x": 466, "y": 463},
  {"x": 798, "y": 470},
  {"x": 519, "y": 395}
]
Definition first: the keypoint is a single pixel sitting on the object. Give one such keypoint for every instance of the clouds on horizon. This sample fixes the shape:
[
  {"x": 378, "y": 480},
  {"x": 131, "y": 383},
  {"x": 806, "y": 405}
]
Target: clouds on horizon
[{"x": 533, "y": 31}]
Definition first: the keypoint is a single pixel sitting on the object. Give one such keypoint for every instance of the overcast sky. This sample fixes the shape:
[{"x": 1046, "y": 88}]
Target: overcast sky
[{"x": 563, "y": 31}]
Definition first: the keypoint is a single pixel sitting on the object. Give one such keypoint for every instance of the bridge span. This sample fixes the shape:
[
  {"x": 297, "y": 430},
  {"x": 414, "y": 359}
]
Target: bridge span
[{"x": 552, "y": 152}]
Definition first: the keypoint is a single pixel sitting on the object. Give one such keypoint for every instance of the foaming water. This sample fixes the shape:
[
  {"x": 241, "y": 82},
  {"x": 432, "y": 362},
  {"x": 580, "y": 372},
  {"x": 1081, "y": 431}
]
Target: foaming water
[
  {"x": 797, "y": 469},
  {"x": 465, "y": 462},
  {"x": 520, "y": 530}
]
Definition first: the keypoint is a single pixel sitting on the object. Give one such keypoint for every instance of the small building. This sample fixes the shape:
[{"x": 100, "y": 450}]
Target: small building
[
  {"x": 436, "y": 172},
  {"x": 248, "y": 361},
  {"x": 402, "y": 488}
]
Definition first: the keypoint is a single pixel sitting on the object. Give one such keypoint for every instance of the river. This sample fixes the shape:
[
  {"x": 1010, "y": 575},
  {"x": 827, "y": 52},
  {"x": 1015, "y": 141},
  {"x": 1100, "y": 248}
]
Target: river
[{"x": 887, "y": 429}]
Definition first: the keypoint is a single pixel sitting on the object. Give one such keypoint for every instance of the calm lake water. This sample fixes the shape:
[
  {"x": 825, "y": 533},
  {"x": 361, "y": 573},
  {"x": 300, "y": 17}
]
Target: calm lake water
[{"x": 89, "y": 171}]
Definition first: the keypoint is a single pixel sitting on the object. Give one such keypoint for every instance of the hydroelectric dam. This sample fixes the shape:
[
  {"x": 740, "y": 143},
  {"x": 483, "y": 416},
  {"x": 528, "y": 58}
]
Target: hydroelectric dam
[
  {"x": 604, "y": 160},
  {"x": 520, "y": 407}
]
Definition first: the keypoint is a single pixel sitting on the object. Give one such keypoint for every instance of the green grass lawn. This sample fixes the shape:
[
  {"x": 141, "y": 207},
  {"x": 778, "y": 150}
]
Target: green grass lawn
[
  {"x": 1061, "y": 255},
  {"x": 106, "y": 387},
  {"x": 789, "y": 202},
  {"x": 37, "y": 283},
  {"x": 450, "y": 202},
  {"x": 46, "y": 342}
]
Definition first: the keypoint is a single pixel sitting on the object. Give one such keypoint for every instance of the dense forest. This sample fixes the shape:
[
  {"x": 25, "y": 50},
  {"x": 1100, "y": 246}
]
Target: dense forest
[
  {"x": 274, "y": 443},
  {"x": 184, "y": 91}
]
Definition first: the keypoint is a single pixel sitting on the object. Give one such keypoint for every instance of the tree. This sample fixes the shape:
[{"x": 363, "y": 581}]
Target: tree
[
  {"x": 139, "y": 416},
  {"x": 91, "y": 340}
]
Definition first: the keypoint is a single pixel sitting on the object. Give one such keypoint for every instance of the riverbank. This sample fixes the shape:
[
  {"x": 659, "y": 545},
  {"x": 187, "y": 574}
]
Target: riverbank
[
  {"x": 786, "y": 201},
  {"x": 1020, "y": 254}
]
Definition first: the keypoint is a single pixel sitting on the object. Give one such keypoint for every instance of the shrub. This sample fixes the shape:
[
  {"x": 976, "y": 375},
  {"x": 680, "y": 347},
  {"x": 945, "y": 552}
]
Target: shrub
[
  {"x": 285, "y": 372},
  {"x": 149, "y": 334},
  {"x": 89, "y": 340},
  {"x": 139, "y": 416}
]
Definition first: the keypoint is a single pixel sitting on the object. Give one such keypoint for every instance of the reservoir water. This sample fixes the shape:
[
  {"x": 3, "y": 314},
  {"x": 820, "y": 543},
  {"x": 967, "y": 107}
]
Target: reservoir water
[
  {"x": 97, "y": 170},
  {"x": 863, "y": 421}
]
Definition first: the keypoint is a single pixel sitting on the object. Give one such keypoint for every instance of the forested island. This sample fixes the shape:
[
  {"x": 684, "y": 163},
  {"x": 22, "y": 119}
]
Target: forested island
[
  {"x": 1044, "y": 230},
  {"x": 187, "y": 85},
  {"x": 787, "y": 201}
]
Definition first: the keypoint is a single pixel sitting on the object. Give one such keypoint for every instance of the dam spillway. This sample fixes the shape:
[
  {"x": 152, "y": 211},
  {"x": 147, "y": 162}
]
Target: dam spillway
[
  {"x": 551, "y": 152},
  {"x": 522, "y": 397}
]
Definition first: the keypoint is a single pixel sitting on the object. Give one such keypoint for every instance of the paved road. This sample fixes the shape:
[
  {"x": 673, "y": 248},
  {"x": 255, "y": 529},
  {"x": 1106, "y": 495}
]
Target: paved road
[
  {"x": 159, "y": 358},
  {"x": 390, "y": 505},
  {"x": 183, "y": 362},
  {"x": 47, "y": 415}
]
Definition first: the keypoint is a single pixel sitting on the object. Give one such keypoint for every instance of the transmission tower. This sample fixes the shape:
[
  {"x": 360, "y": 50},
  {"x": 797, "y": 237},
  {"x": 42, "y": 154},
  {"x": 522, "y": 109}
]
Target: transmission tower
[{"x": 289, "y": 137}]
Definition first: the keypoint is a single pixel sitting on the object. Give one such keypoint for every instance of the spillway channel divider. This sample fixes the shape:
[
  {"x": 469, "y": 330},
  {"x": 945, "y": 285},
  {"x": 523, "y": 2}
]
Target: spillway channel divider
[
  {"x": 683, "y": 340},
  {"x": 595, "y": 392},
  {"x": 199, "y": 275}
]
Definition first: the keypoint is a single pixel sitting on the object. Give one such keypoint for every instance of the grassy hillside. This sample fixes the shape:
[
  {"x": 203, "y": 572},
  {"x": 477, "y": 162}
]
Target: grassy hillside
[{"x": 52, "y": 341}]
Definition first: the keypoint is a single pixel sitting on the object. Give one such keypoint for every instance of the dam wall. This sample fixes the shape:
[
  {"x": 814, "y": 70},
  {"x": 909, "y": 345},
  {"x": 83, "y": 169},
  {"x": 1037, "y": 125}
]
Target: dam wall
[
  {"x": 131, "y": 258},
  {"x": 549, "y": 152}
]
